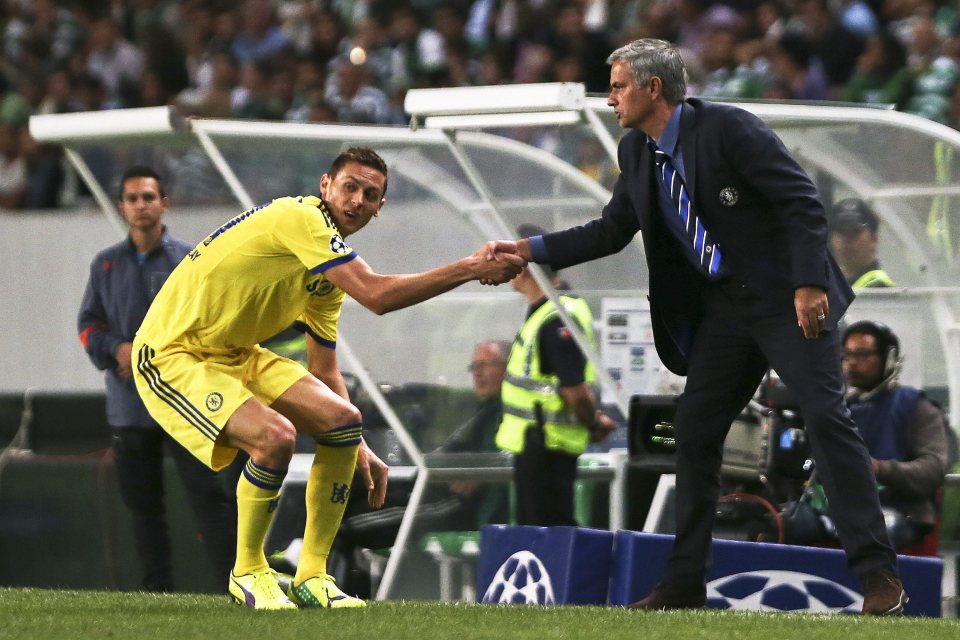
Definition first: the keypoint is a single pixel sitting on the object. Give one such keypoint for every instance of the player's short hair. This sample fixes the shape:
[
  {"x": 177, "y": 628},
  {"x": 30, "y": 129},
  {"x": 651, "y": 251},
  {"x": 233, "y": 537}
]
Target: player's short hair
[
  {"x": 361, "y": 155},
  {"x": 140, "y": 171},
  {"x": 650, "y": 57}
]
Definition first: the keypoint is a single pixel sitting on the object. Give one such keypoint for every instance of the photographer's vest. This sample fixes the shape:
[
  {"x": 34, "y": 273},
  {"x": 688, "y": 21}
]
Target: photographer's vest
[
  {"x": 526, "y": 392},
  {"x": 884, "y": 422}
]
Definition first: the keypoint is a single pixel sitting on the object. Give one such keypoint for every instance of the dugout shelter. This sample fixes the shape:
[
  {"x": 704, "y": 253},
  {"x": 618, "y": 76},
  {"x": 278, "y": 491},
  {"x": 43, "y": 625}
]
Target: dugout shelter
[{"x": 473, "y": 165}]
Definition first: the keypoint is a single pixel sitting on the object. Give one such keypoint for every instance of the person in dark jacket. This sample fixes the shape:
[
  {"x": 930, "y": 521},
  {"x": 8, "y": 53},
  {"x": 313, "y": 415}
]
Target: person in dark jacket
[
  {"x": 741, "y": 278},
  {"x": 905, "y": 432},
  {"x": 124, "y": 279}
]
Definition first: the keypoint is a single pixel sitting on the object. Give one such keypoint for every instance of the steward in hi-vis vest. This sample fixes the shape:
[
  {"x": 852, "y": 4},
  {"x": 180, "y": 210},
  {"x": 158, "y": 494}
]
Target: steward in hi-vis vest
[
  {"x": 550, "y": 408},
  {"x": 532, "y": 398},
  {"x": 874, "y": 278}
]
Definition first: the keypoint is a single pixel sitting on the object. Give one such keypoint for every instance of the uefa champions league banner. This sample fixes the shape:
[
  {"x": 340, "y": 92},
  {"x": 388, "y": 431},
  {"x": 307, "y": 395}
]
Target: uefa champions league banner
[
  {"x": 765, "y": 577},
  {"x": 543, "y": 565}
]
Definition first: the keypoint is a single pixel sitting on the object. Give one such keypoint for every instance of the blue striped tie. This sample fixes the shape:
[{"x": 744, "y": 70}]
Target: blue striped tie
[{"x": 703, "y": 246}]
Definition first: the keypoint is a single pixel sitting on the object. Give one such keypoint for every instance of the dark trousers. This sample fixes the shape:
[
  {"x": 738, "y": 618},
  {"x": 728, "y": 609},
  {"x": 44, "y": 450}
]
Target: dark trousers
[
  {"x": 731, "y": 351},
  {"x": 543, "y": 480},
  {"x": 139, "y": 464}
]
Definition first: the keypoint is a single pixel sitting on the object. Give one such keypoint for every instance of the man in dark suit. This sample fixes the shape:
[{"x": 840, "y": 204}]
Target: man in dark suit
[{"x": 740, "y": 279}]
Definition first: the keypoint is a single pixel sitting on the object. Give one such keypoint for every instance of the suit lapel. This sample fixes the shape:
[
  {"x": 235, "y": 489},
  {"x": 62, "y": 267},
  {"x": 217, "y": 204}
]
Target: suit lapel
[
  {"x": 688, "y": 142},
  {"x": 646, "y": 184}
]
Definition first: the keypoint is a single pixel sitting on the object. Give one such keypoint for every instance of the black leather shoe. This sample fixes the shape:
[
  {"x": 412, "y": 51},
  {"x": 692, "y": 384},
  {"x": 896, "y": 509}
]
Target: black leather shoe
[
  {"x": 883, "y": 594},
  {"x": 664, "y": 598}
]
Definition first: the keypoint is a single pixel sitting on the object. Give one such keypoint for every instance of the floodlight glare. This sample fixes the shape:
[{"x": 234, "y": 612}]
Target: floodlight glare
[{"x": 113, "y": 123}]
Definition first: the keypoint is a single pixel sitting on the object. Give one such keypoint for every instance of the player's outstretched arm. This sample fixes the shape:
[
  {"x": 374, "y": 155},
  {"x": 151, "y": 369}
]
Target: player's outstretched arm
[{"x": 384, "y": 293}]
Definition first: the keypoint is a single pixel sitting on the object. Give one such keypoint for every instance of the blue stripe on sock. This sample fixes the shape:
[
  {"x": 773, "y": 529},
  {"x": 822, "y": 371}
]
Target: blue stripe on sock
[
  {"x": 264, "y": 477},
  {"x": 346, "y": 436}
]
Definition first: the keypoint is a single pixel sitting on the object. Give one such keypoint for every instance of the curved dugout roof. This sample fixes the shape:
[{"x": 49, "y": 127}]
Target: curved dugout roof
[{"x": 452, "y": 189}]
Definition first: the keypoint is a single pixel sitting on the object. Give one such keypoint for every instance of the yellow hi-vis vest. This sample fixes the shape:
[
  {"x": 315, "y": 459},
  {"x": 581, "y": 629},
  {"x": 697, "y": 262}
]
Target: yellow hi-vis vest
[
  {"x": 871, "y": 279},
  {"x": 525, "y": 387}
]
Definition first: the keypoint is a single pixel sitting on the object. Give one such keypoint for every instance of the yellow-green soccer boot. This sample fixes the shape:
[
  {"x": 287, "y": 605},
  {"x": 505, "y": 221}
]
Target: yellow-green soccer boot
[
  {"x": 259, "y": 590},
  {"x": 322, "y": 592}
]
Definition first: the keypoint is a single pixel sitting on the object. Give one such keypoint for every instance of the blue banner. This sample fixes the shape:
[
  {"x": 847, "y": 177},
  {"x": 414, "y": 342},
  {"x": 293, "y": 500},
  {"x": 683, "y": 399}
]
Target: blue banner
[
  {"x": 763, "y": 577},
  {"x": 544, "y": 565}
]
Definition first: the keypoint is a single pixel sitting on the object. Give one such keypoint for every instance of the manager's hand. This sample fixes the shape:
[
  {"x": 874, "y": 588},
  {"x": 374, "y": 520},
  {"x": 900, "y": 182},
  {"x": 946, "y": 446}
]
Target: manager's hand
[
  {"x": 498, "y": 247},
  {"x": 497, "y": 266},
  {"x": 812, "y": 310},
  {"x": 374, "y": 472}
]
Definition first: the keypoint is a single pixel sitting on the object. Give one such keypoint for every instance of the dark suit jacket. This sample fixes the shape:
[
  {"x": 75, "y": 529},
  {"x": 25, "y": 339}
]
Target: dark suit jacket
[{"x": 754, "y": 199}]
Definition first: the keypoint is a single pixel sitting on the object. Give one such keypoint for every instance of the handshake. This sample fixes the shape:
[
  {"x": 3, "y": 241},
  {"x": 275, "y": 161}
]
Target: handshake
[{"x": 500, "y": 261}]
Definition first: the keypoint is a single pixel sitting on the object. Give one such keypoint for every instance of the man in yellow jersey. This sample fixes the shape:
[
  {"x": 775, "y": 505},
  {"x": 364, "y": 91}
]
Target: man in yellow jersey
[{"x": 206, "y": 380}]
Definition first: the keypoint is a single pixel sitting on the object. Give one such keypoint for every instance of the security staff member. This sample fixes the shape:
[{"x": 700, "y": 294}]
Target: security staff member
[
  {"x": 854, "y": 239},
  {"x": 550, "y": 411}
]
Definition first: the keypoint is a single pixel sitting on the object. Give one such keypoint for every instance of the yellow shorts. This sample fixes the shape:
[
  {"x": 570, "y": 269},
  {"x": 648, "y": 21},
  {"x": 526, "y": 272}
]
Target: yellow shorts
[{"x": 192, "y": 393}]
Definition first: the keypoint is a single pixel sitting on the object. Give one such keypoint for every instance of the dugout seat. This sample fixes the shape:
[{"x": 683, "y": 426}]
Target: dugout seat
[{"x": 430, "y": 412}]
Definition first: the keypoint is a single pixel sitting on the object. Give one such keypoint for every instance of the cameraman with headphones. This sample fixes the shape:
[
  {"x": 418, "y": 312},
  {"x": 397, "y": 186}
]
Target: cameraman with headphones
[{"x": 906, "y": 434}]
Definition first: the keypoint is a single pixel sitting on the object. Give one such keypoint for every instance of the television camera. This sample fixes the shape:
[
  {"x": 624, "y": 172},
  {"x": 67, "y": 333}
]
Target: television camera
[{"x": 766, "y": 461}]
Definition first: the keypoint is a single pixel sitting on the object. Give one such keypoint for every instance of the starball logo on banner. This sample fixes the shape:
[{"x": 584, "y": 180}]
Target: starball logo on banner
[
  {"x": 521, "y": 579},
  {"x": 782, "y": 591}
]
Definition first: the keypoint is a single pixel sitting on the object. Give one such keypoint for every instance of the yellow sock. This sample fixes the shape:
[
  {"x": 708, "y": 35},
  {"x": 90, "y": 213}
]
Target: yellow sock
[
  {"x": 258, "y": 491},
  {"x": 328, "y": 489}
]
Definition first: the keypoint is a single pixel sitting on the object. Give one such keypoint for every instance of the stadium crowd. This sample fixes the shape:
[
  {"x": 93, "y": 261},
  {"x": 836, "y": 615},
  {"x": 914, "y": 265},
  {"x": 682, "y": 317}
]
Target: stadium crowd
[{"x": 353, "y": 60}]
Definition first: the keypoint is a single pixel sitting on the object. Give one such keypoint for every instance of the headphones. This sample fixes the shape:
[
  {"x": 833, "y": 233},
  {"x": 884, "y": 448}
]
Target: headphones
[{"x": 887, "y": 343}]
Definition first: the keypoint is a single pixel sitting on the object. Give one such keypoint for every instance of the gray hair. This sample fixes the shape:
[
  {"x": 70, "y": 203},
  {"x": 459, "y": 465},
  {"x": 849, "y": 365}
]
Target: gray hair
[
  {"x": 503, "y": 346},
  {"x": 650, "y": 57}
]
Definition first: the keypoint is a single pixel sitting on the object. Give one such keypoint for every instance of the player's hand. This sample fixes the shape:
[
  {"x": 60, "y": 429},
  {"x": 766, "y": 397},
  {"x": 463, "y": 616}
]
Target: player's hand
[
  {"x": 374, "y": 472},
  {"x": 124, "y": 366},
  {"x": 496, "y": 267},
  {"x": 812, "y": 310},
  {"x": 603, "y": 426}
]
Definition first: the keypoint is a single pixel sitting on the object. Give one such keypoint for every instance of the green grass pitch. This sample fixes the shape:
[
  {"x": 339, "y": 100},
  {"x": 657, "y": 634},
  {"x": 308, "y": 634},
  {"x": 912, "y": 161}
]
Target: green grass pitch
[{"x": 38, "y": 614}]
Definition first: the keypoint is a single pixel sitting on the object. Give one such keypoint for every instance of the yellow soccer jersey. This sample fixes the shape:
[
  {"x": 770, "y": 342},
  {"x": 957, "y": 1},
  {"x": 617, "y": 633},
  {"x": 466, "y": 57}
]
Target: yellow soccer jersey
[{"x": 252, "y": 278}]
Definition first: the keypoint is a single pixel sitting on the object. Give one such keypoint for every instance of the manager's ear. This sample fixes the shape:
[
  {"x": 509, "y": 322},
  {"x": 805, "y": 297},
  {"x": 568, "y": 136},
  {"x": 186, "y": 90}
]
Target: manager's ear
[{"x": 655, "y": 86}]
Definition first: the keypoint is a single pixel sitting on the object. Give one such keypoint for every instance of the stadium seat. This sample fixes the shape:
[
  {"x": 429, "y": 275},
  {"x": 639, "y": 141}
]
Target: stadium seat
[
  {"x": 454, "y": 552},
  {"x": 430, "y": 412}
]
